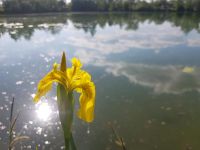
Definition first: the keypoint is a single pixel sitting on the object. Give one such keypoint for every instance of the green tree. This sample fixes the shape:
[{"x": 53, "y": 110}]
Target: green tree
[
  {"x": 30, "y": 6},
  {"x": 196, "y": 5},
  {"x": 101, "y": 5}
]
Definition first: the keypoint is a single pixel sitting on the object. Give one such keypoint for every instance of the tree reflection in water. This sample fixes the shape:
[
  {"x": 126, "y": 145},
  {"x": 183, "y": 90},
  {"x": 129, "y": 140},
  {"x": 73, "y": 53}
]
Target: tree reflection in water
[{"x": 89, "y": 22}]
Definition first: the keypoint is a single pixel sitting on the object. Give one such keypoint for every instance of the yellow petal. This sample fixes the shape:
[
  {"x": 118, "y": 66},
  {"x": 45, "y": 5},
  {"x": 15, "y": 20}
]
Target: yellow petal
[
  {"x": 42, "y": 91},
  {"x": 81, "y": 82},
  {"x": 87, "y": 102},
  {"x": 83, "y": 85},
  {"x": 55, "y": 66},
  {"x": 74, "y": 73},
  {"x": 45, "y": 83},
  {"x": 76, "y": 63},
  {"x": 79, "y": 79}
]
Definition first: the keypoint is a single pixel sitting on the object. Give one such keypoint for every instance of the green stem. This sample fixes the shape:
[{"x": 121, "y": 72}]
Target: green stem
[
  {"x": 69, "y": 143},
  {"x": 72, "y": 143},
  {"x": 66, "y": 108}
]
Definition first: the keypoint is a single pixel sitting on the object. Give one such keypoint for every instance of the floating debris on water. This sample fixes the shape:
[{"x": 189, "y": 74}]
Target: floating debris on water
[
  {"x": 12, "y": 25},
  {"x": 42, "y": 55},
  {"x": 162, "y": 107},
  {"x": 3, "y": 93},
  {"x": 168, "y": 108},
  {"x": 181, "y": 113},
  {"x": 30, "y": 26},
  {"x": 19, "y": 82},
  {"x": 30, "y": 122},
  {"x": 88, "y": 130},
  {"x": 149, "y": 121},
  {"x": 28, "y": 147},
  {"x": 2, "y": 127},
  {"x": 47, "y": 59},
  {"x": 43, "y": 25},
  {"x": 13, "y": 32},
  {"x": 47, "y": 142},
  {"x": 188, "y": 69},
  {"x": 39, "y": 131},
  {"x": 26, "y": 126},
  {"x": 32, "y": 83},
  {"x": 163, "y": 123}
]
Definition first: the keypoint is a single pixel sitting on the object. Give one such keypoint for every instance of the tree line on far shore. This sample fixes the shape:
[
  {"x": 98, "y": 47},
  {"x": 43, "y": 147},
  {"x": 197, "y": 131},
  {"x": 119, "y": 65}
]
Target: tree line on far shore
[
  {"x": 39, "y": 6},
  {"x": 33, "y": 6}
]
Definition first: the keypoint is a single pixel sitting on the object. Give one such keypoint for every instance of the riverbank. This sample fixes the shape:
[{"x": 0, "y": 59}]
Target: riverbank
[
  {"x": 92, "y": 12},
  {"x": 35, "y": 6}
]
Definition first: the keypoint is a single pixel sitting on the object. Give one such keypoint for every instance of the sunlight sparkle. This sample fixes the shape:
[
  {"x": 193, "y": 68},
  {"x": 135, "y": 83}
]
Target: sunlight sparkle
[{"x": 43, "y": 111}]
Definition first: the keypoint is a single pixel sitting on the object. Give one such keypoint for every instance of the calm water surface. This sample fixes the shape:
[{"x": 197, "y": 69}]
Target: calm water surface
[{"x": 146, "y": 68}]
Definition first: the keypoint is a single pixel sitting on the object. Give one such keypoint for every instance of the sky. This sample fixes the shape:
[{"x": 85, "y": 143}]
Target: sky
[{"x": 68, "y": 1}]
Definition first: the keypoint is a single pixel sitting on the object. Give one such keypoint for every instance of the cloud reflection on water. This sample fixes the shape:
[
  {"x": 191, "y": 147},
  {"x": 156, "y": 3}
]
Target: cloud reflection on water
[
  {"x": 153, "y": 37},
  {"x": 162, "y": 78}
]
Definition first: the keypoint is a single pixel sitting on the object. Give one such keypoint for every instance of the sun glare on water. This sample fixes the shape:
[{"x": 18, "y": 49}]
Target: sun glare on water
[{"x": 43, "y": 111}]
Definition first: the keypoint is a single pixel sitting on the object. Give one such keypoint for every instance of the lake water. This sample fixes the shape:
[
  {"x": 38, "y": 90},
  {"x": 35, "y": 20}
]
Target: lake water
[{"x": 146, "y": 68}]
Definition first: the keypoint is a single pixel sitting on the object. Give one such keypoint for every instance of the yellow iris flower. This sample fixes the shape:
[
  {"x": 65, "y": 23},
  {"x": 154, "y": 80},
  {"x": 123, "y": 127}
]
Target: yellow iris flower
[{"x": 73, "y": 78}]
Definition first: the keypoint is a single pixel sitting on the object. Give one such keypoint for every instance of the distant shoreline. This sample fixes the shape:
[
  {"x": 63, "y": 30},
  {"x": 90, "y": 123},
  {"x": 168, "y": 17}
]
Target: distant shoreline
[
  {"x": 91, "y": 12},
  {"x": 32, "y": 7}
]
